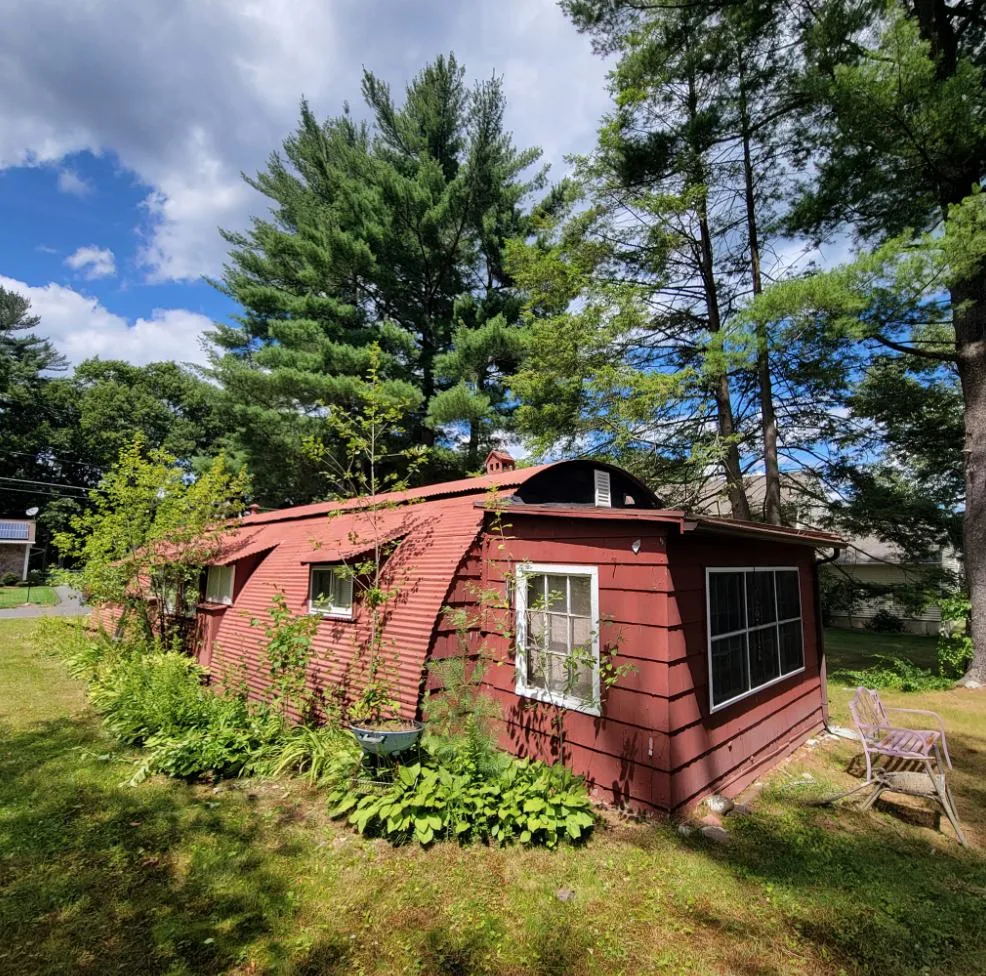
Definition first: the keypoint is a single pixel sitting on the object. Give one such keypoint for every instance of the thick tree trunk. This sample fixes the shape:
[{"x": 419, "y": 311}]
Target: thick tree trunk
[
  {"x": 768, "y": 417},
  {"x": 739, "y": 505},
  {"x": 969, "y": 309},
  {"x": 425, "y": 433}
]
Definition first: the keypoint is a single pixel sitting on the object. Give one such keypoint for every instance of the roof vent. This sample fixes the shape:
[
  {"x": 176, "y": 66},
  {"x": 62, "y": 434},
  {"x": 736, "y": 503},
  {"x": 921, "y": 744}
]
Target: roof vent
[
  {"x": 604, "y": 497},
  {"x": 497, "y": 461},
  {"x": 253, "y": 509}
]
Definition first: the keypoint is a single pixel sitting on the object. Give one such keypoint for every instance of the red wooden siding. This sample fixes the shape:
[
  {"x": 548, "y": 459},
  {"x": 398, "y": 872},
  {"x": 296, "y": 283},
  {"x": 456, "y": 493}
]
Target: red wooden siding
[{"x": 658, "y": 745}]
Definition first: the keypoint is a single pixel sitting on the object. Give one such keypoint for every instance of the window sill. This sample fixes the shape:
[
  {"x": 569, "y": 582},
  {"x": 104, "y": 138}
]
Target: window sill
[
  {"x": 560, "y": 701},
  {"x": 213, "y": 605},
  {"x": 329, "y": 614}
]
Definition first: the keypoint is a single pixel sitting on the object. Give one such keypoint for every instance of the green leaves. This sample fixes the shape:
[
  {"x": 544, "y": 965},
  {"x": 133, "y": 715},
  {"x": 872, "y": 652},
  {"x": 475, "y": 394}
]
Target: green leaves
[
  {"x": 148, "y": 533},
  {"x": 388, "y": 232},
  {"x": 529, "y": 803}
]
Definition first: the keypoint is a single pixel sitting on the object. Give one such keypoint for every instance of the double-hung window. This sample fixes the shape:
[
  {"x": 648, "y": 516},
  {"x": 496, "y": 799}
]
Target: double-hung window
[
  {"x": 755, "y": 630},
  {"x": 330, "y": 591},
  {"x": 219, "y": 584},
  {"x": 558, "y": 635}
]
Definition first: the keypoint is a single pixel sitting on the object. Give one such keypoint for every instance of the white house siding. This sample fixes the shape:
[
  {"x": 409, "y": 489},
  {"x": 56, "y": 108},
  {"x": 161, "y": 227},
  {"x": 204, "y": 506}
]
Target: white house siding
[{"x": 884, "y": 574}]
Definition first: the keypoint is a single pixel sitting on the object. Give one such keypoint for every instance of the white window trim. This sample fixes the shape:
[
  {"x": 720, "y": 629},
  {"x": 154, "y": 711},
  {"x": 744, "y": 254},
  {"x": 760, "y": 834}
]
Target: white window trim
[
  {"x": 713, "y": 707},
  {"x": 226, "y": 601},
  {"x": 332, "y": 613},
  {"x": 520, "y": 589}
]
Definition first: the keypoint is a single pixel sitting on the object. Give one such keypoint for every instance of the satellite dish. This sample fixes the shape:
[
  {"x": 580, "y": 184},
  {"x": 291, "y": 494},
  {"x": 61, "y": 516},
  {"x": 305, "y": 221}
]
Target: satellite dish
[{"x": 32, "y": 511}]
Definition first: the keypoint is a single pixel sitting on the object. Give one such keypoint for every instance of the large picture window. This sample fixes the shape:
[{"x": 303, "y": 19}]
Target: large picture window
[
  {"x": 330, "y": 591},
  {"x": 558, "y": 635},
  {"x": 755, "y": 632}
]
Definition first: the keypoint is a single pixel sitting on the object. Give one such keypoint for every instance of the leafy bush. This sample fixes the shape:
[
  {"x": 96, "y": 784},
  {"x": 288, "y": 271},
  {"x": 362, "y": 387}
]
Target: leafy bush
[
  {"x": 10, "y": 579},
  {"x": 529, "y": 802},
  {"x": 324, "y": 755},
  {"x": 83, "y": 651},
  {"x": 461, "y": 730},
  {"x": 145, "y": 694},
  {"x": 885, "y": 621},
  {"x": 226, "y": 744},
  {"x": 894, "y": 673},
  {"x": 955, "y": 649}
]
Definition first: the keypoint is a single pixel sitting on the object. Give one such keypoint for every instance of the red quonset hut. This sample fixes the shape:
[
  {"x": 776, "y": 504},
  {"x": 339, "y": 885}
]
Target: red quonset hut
[{"x": 718, "y": 619}]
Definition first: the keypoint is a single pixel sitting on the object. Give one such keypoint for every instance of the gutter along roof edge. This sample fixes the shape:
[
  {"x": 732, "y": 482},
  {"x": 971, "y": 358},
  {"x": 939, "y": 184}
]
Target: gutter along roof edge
[{"x": 681, "y": 519}]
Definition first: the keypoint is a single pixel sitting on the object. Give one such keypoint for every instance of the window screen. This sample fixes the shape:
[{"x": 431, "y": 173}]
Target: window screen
[
  {"x": 755, "y": 629},
  {"x": 558, "y": 656},
  {"x": 331, "y": 591}
]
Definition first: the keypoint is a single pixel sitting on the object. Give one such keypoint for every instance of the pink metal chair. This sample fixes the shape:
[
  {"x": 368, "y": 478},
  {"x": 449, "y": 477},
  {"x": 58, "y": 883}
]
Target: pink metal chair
[
  {"x": 880, "y": 738},
  {"x": 922, "y": 746}
]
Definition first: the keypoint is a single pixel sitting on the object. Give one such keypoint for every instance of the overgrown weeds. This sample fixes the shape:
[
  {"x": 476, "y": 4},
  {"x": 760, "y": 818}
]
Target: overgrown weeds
[
  {"x": 893, "y": 672},
  {"x": 461, "y": 786}
]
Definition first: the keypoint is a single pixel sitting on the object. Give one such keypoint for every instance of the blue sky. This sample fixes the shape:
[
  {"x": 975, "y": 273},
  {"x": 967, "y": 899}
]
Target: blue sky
[{"x": 127, "y": 125}]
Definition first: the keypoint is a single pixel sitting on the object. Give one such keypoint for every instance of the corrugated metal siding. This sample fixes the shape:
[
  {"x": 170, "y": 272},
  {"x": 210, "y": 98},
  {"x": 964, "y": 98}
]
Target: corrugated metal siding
[{"x": 438, "y": 533}]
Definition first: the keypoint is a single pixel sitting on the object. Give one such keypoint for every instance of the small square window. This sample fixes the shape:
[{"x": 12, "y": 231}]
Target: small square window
[
  {"x": 219, "y": 584},
  {"x": 331, "y": 591}
]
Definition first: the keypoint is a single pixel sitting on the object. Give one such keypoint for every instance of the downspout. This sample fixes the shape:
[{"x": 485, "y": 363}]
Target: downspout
[{"x": 820, "y": 635}]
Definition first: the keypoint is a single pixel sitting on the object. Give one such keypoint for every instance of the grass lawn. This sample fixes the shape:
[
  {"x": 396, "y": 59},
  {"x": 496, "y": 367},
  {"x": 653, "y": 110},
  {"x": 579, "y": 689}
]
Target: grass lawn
[
  {"x": 856, "y": 649},
  {"x": 16, "y": 596},
  {"x": 248, "y": 878}
]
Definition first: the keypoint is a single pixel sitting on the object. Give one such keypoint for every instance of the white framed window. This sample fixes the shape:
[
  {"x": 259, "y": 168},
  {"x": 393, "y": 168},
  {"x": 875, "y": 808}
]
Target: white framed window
[
  {"x": 755, "y": 630},
  {"x": 219, "y": 584},
  {"x": 558, "y": 635},
  {"x": 330, "y": 591},
  {"x": 172, "y": 606}
]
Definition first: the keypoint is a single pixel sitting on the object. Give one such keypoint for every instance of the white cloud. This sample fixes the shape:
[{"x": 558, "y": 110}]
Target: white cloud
[
  {"x": 94, "y": 262},
  {"x": 70, "y": 182},
  {"x": 187, "y": 95},
  {"x": 80, "y": 327}
]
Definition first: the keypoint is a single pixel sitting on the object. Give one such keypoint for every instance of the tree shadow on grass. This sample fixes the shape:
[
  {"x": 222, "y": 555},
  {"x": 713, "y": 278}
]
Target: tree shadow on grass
[
  {"x": 96, "y": 877},
  {"x": 863, "y": 891}
]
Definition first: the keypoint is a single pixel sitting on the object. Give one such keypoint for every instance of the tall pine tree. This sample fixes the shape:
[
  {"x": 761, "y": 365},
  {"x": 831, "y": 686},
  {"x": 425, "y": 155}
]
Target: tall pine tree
[{"x": 387, "y": 232}]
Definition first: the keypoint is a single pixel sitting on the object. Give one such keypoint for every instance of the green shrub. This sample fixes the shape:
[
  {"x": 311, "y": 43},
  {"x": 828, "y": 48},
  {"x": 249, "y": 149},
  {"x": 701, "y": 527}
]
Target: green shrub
[
  {"x": 324, "y": 755},
  {"x": 144, "y": 694},
  {"x": 226, "y": 744},
  {"x": 885, "y": 622},
  {"x": 528, "y": 802},
  {"x": 894, "y": 673},
  {"x": 10, "y": 579},
  {"x": 83, "y": 651},
  {"x": 955, "y": 649}
]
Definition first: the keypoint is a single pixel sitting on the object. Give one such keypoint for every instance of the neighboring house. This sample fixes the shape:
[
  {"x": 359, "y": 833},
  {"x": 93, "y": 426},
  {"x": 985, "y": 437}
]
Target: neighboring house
[
  {"x": 866, "y": 560},
  {"x": 718, "y": 619},
  {"x": 16, "y": 540},
  {"x": 873, "y": 563}
]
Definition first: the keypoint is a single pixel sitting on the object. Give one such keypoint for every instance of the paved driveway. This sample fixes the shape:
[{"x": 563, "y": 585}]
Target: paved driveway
[{"x": 70, "y": 605}]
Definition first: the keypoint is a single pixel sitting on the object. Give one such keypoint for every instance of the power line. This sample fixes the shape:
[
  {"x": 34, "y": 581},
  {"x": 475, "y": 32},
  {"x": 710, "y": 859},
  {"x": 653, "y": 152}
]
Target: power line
[
  {"x": 41, "y": 491},
  {"x": 49, "y": 455},
  {"x": 50, "y": 484}
]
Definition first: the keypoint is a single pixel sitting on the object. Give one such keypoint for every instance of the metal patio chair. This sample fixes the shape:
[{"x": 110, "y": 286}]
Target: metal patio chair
[{"x": 924, "y": 747}]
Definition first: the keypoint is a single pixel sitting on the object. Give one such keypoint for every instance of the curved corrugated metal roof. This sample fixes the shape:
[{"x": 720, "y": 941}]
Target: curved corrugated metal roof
[
  {"x": 463, "y": 486},
  {"x": 435, "y": 537}
]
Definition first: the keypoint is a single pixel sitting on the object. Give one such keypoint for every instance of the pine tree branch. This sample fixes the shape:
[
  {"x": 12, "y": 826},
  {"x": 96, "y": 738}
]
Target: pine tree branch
[{"x": 941, "y": 357}]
